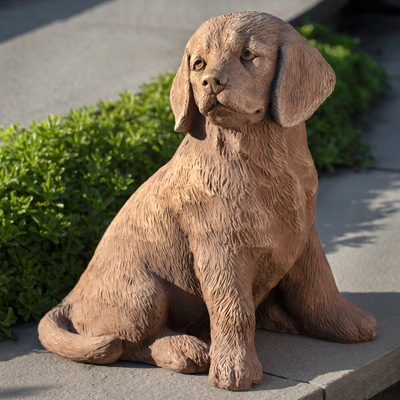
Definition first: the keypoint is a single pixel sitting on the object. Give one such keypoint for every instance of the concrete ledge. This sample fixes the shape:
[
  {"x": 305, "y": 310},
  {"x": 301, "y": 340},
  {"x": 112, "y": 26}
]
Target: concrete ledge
[{"x": 35, "y": 373}]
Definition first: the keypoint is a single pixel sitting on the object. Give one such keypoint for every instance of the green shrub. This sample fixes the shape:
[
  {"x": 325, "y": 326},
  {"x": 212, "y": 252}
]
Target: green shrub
[
  {"x": 331, "y": 136},
  {"x": 63, "y": 180}
]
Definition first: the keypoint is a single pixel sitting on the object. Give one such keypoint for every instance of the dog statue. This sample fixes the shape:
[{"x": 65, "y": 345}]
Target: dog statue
[{"x": 221, "y": 240}]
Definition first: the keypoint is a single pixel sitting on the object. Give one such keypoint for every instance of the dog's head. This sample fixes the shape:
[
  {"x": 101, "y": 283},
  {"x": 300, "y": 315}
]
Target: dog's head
[{"x": 241, "y": 68}]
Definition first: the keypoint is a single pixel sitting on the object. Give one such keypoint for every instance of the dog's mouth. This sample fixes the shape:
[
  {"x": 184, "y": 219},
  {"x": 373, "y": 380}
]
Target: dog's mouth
[
  {"x": 218, "y": 108},
  {"x": 228, "y": 117}
]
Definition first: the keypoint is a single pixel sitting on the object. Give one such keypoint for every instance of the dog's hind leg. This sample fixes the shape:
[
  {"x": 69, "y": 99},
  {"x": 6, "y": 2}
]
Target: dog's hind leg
[
  {"x": 312, "y": 298},
  {"x": 143, "y": 326},
  {"x": 95, "y": 322},
  {"x": 171, "y": 350},
  {"x": 273, "y": 315},
  {"x": 139, "y": 319}
]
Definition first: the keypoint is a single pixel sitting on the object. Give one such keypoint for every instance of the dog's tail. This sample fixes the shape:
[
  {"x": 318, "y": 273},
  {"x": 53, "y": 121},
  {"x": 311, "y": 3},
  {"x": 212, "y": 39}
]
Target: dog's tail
[{"x": 55, "y": 337}]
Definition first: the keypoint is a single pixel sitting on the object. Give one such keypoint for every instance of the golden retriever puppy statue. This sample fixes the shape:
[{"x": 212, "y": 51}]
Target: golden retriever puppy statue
[{"x": 221, "y": 240}]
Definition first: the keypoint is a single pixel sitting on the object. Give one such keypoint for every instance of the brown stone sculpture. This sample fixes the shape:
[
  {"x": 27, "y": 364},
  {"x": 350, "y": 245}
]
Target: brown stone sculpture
[{"x": 222, "y": 238}]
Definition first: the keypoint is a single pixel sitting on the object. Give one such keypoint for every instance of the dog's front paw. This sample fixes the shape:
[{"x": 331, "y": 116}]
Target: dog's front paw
[{"x": 235, "y": 369}]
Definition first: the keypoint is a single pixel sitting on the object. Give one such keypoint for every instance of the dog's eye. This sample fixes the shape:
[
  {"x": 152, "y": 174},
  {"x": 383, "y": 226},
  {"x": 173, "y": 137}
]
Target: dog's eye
[
  {"x": 247, "y": 55},
  {"x": 199, "y": 65}
]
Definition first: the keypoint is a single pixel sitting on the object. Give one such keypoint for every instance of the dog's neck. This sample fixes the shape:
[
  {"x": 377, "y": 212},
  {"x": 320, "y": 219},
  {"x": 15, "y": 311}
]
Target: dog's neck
[
  {"x": 235, "y": 163},
  {"x": 261, "y": 144}
]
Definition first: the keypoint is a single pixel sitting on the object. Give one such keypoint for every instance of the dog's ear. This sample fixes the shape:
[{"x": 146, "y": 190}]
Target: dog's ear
[
  {"x": 187, "y": 116},
  {"x": 303, "y": 80}
]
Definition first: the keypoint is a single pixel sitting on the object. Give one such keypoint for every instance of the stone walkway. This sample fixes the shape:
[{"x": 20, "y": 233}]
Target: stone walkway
[{"x": 62, "y": 54}]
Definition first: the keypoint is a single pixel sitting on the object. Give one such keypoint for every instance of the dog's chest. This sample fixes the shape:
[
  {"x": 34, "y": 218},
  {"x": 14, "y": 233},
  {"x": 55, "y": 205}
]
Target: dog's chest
[
  {"x": 239, "y": 207},
  {"x": 248, "y": 195}
]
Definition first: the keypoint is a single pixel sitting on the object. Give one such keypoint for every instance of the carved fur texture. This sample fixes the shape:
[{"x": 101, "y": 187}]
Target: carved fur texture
[{"x": 220, "y": 240}]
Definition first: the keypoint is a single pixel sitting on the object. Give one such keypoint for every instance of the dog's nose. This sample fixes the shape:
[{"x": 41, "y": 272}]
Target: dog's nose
[{"x": 215, "y": 82}]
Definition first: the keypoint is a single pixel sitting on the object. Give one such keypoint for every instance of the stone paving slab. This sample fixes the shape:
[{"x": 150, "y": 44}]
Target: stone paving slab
[
  {"x": 358, "y": 217},
  {"x": 34, "y": 373}
]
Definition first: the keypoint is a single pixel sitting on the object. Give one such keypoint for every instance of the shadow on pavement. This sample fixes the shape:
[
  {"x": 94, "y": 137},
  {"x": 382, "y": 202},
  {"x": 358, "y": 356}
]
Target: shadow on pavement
[
  {"x": 23, "y": 392},
  {"x": 354, "y": 207},
  {"x": 21, "y": 16}
]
